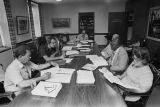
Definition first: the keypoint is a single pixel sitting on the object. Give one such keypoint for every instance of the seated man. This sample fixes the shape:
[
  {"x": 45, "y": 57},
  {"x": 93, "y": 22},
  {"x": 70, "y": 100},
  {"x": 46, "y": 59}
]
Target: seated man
[
  {"x": 119, "y": 60},
  {"x": 50, "y": 50},
  {"x": 18, "y": 74},
  {"x": 82, "y": 36},
  {"x": 108, "y": 52}
]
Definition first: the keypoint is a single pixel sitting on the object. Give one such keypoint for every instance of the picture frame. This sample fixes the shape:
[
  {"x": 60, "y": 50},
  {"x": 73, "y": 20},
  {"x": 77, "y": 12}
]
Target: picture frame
[
  {"x": 22, "y": 25},
  {"x": 61, "y": 22},
  {"x": 153, "y": 31}
]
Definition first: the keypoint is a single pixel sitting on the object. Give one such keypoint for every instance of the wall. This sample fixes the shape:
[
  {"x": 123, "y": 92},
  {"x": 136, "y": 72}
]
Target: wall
[
  {"x": 19, "y": 8},
  {"x": 71, "y": 10},
  {"x": 4, "y": 26}
]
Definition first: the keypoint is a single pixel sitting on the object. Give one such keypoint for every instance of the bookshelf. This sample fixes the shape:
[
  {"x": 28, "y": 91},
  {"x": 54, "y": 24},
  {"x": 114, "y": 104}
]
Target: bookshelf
[{"x": 86, "y": 22}]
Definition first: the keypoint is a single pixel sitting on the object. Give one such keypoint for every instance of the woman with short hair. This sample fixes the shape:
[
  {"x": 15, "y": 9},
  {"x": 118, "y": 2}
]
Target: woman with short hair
[{"x": 138, "y": 74}]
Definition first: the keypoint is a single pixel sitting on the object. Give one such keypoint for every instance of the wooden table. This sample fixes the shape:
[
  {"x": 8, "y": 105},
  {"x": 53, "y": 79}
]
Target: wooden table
[{"x": 101, "y": 94}]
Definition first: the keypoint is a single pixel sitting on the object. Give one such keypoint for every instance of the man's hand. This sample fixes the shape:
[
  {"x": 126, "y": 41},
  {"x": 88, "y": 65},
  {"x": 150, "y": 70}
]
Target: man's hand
[{"x": 46, "y": 76}]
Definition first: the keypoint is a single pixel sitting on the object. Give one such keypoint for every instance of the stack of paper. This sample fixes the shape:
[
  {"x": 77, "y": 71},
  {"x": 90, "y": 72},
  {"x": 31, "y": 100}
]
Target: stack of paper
[
  {"x": 97, "y": 60},
  {"x": 67, "y": 48},
  {"x": 84, "y": 41},
  {"x": 72, "y": 52},
  {"x": 47, "y": 89},
  {"x": 86, "y": 50},
  {"x": 85, "y": 77},
  {"x": 90, "y": 67},
  {"x": 62, "y": 75},
  {"x": 113, "y": 79},
  {"x": 89, "y": 40},
  {"x": 83, "y": 48}
]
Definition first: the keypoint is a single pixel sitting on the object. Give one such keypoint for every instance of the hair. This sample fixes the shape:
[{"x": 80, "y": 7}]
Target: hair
[
  {"x": 21, "y": 50},
  {"x": 143, "y": 54},
  {"x": 41, "y": 41},
  {"x": 55, "y": 38}
]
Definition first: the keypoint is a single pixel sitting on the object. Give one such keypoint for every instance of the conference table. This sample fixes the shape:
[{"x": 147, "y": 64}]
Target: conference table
[{"x": 100, "y": 94}]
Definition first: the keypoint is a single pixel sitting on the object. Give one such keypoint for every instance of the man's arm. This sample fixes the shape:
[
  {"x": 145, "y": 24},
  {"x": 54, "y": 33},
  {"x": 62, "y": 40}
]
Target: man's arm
[
  {"x": 122, "y": 63},
  {"x": 52, "y": 58},
  {"x": 28, "y": 83}
]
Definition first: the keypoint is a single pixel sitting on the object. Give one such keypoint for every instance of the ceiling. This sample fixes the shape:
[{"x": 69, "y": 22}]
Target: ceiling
[{"x": 68, "y": 1}]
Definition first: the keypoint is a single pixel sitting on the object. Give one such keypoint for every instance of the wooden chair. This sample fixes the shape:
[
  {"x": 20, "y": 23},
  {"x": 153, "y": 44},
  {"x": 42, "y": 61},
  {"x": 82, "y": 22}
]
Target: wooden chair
[{"x": 144, "y": 96}]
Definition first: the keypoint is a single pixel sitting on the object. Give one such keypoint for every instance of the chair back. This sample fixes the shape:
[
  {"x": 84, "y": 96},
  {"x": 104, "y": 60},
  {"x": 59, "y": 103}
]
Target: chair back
[
  {"x": 1, "y": 73},
  {"x": 156, "y": 75}
]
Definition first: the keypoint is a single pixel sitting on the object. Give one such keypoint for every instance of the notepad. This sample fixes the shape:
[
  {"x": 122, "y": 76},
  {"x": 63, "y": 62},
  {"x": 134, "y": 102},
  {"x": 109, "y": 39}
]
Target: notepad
[
  {"x": 85, "y": 77},
  {"x": 48, "y": 89}
]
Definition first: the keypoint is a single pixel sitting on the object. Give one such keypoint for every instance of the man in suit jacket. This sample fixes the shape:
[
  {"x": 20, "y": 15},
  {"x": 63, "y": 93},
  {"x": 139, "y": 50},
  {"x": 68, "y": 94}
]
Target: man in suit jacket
[{"x": 119, "y": 60}]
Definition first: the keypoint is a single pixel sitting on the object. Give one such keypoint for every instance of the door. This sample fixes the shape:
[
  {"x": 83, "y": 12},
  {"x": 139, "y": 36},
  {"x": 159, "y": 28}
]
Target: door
[
  {"x": 86, "y": 22},
  {"x": 118, "y": 24}
]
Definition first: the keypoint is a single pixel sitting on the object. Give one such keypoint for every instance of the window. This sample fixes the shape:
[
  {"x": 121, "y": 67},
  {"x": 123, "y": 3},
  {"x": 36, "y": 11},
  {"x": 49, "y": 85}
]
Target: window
[
  {"x": 36, "y": 19},
  {"x": 4, "y": 29}
]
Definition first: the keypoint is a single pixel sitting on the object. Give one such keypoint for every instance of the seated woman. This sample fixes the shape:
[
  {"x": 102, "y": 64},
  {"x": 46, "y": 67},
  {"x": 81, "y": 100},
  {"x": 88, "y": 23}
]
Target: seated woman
[
  {"x": 138, "y": 74},
  {"x": 82, "y": 36},
  {"x": 51, "y": 50}
]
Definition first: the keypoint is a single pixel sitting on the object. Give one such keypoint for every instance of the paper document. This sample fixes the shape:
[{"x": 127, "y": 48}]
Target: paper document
[
  {"x": 68, "y": 60},
  {"x": 84, "y": 45},
  {"x": 104, "y": 70},
  {"x": 62, "y": 75},
  {"x": 85, "y": 77},
  {"x": 47, "y": 89},
  {"x": 67, "y": 48},
  {"x": 72, "y": 52},
  {"x": 103, "y": 53},
  {"x": 90, "y": 67},
  {"x": 84, "y": 41},
  {"x": 83, "y": 48},
  {"x": 113, "y": 79},
  {"x": 97, "y": 60},
  {"x": 52, "y": 70},
  {"x": 60, "y": 78}
]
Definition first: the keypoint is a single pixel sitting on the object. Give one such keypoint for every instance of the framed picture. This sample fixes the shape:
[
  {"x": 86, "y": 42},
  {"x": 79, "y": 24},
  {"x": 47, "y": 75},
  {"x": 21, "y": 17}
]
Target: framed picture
[
  {"x": 61, "y": 22},
  {"x": 22, "y": 25},
  {"x": 153, "y": 31}
]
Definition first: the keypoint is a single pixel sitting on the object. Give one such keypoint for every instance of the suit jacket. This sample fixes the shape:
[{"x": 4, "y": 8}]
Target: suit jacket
[{"x": 119, "y": 60}]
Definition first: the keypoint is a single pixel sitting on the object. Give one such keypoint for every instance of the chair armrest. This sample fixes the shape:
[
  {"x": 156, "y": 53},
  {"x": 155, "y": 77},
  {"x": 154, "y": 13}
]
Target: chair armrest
[{"x": 6, "y": 94}]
